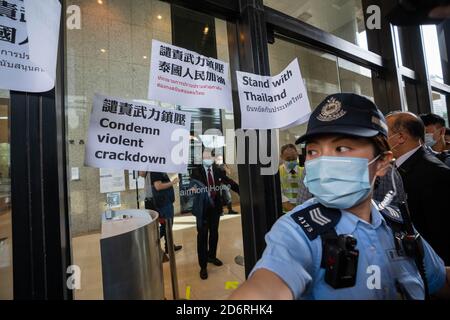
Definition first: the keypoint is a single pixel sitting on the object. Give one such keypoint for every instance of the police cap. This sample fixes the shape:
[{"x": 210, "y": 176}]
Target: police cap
[{"x": 348, "y": 114}]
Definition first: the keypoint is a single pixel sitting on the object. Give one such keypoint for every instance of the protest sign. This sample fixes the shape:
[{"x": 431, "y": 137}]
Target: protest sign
[
  {"x": 273, "y": 102},
  {"x": 182, "y": 77},
  {"x": 29, "y": 32},
  {"x": 127, "y": 135}
]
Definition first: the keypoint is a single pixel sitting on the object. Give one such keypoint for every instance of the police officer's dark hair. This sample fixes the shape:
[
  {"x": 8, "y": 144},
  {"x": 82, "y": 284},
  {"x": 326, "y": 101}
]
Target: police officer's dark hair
[
  {"x": 432, "y": 119},
  {"x": 288, "y": 146},
  {"x": 409, "y": 123}
]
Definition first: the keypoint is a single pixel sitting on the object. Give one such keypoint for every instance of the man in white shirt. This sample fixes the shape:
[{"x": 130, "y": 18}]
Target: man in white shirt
[{"x": 426, "y": 180}]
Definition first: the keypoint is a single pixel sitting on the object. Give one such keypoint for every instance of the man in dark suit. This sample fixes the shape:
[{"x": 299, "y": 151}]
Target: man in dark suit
[
  {"x": 435, "y": 137},
  {"x": 426, "y": 181},
  {"x": 210, "y": 175}
]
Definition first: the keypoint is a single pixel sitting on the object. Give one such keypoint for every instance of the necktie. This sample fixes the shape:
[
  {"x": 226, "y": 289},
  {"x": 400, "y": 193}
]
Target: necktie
[{"x": 211, "y": 184}]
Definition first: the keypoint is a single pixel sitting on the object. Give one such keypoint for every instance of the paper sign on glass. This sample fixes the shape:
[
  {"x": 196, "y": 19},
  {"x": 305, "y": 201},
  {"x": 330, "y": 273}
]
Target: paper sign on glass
[
  {"x": 273, "y": 102},
  {"x": 29, "y": 32},
  {"x": 182, "y": 77},
  {"x": 130, "y": 135}
]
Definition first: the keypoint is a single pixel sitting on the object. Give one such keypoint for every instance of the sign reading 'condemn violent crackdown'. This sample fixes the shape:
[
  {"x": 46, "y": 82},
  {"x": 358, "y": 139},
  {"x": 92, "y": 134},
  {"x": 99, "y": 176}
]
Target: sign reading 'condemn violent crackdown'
[
  {"x": 127, "y": 135},
  {"x": 187, "y": 78}
]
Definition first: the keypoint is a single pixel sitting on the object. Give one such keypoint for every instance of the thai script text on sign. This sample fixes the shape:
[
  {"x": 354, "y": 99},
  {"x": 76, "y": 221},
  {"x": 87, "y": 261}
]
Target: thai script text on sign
[{"x": 182, "y": 77}]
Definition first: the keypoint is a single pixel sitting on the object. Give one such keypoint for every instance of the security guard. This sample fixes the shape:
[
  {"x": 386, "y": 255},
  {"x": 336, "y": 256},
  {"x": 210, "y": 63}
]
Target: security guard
[
  {"x": 290, "y": 173},
  {"x": 341, "y": 244}
]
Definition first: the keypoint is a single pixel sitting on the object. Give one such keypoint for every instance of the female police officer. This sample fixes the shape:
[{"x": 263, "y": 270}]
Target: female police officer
[{"x": 341, "y": 244}]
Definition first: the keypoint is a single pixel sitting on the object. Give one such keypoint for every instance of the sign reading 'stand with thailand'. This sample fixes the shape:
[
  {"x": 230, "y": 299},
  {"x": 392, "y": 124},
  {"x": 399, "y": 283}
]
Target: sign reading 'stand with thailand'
[
  {"x": 127, "y": 135},
  {"x": 29, "y": 32},
  {"x": 182, "y": 77},
  {"x": 273, "y": 102}
]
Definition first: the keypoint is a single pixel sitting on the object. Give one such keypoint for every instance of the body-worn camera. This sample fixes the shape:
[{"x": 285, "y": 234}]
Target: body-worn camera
[{"x": 340, "y": 260}]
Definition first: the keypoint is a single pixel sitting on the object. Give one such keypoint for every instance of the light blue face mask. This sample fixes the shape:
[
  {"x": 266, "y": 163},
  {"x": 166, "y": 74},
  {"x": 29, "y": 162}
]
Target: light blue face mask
[
  {"x": 208, "y": 162},
  {"x": 429, "y": 140},
  {"x": 290, "y": 165},
  {"x": 338, "y": 182}
]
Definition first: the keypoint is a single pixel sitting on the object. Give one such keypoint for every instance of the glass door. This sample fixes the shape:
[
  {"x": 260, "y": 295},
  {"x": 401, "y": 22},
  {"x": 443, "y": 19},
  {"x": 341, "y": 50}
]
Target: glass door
[
  {"x": 6, "y": 266},
  {"x": 110, "y": 55}
]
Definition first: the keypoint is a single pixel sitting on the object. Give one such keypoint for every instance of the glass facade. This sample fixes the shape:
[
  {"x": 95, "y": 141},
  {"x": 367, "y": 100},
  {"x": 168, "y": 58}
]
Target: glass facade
[
  {"x": 323, "y": 75},
  {"x": 113, "y": 58},
  {"x": 440, "y": 105},
  {"x": 343, "y": 18},
  {"x": 356, "y": 79},
  {"x": 432, "y": 53},
  {"x": 109, "y": 55},
  {"x": 6, "y": 268}
]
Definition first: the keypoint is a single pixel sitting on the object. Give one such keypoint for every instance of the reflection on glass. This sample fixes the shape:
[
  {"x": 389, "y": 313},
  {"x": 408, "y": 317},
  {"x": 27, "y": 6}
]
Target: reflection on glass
[
  {"x": 343, "y": 18},
  {"x": 319, "y": 72},
  {"x": 356, "y": 79},
  {"x": 6, "y": 268},
  {"x": 398, "y": 47},
  {"x": 110, "y": 58},
  {"x": 432, "y": 53},
  {"x": 440, "y": 105},
  {"x": 405, "y": 96},
  {"x": 121, "y": 69}
]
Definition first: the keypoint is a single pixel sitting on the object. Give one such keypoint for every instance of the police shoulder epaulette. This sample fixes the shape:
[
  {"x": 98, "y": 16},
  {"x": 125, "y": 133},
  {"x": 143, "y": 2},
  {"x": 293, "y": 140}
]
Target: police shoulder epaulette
[
  {"x": 316, "y": 219},
  {"x": 390, "y": 213}
]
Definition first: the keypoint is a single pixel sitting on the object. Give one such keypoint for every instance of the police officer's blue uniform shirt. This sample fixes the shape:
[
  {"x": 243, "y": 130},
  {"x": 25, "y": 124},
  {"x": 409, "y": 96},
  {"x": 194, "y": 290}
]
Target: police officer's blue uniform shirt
[{"x": 296, "y": 260}]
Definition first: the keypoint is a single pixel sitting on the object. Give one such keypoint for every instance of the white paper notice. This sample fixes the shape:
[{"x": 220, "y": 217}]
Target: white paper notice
[
  {"x": 29, "y": 32},
  {"x": 43, "y": 19},
  {"x": 182, "y": 77},
  {"x": 132, "y": 181},
  {"x": 273, "y": 102},
  {"x": 75, "y": 173},
  {"x": 127, "y": 135},
  {"x": 111, "y": 180}
]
